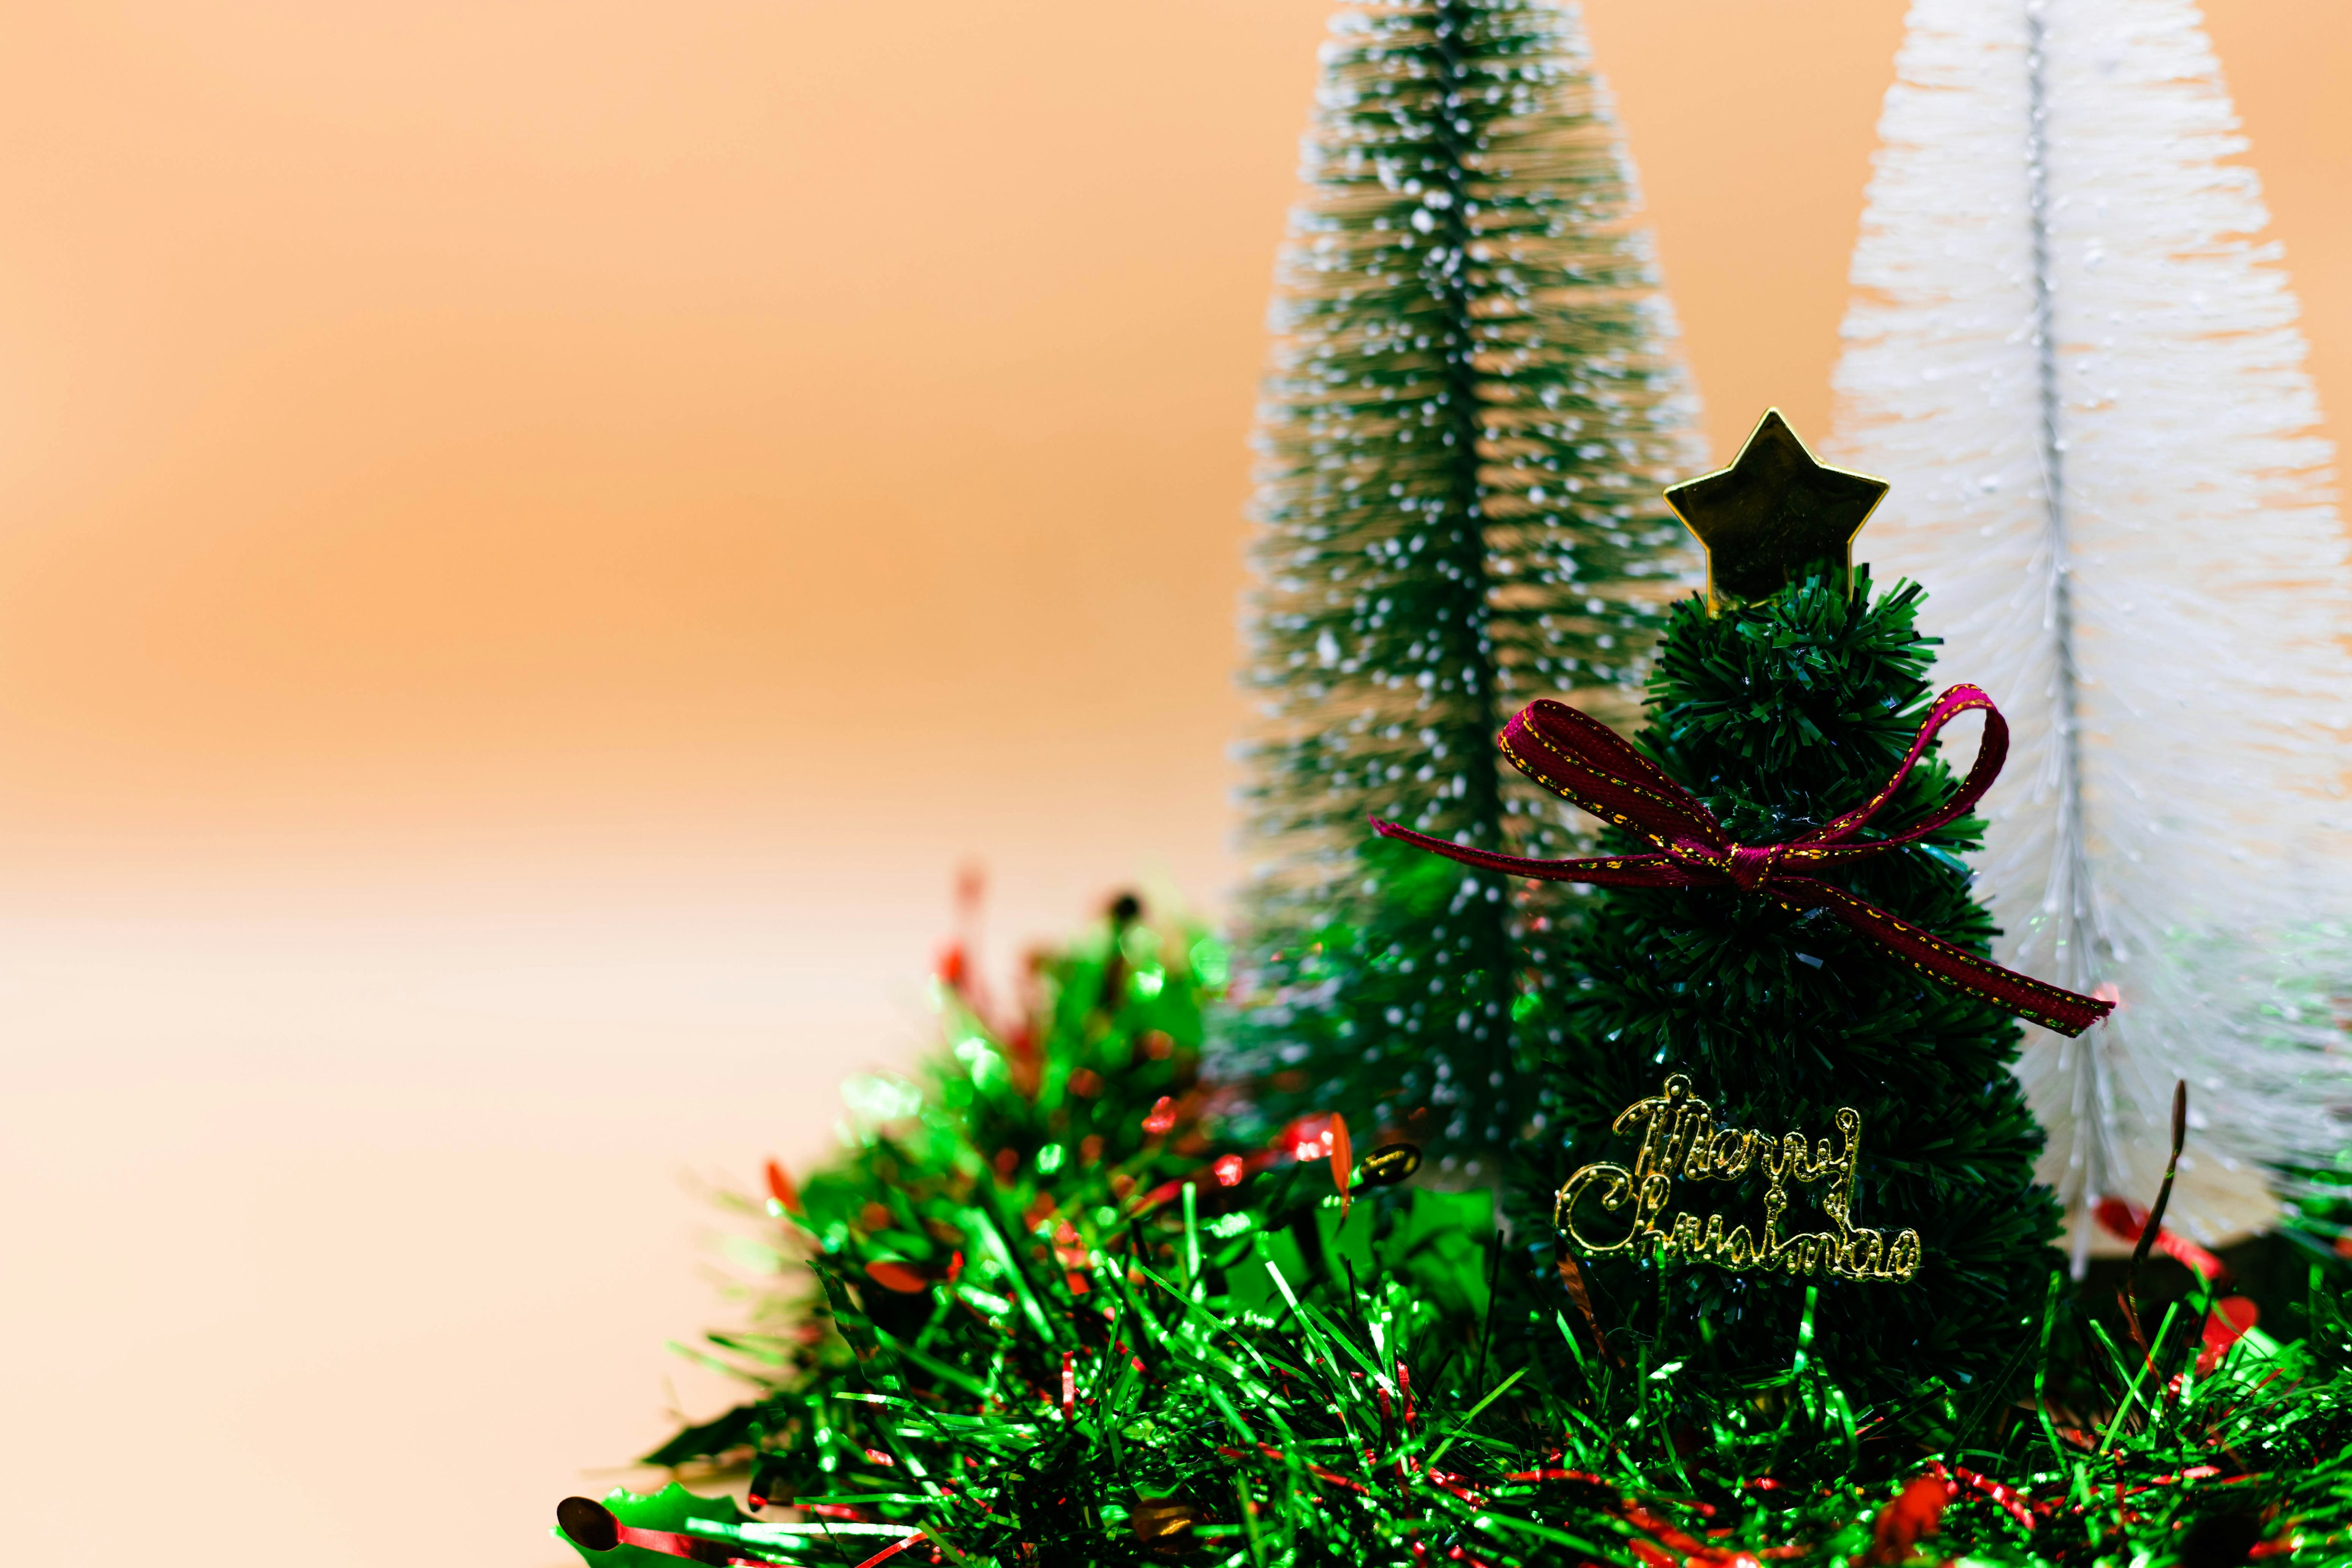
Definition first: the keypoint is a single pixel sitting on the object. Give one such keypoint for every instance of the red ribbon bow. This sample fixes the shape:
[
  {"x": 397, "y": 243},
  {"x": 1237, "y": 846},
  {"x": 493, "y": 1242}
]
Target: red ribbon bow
[{"x": 1581, "y": 760}]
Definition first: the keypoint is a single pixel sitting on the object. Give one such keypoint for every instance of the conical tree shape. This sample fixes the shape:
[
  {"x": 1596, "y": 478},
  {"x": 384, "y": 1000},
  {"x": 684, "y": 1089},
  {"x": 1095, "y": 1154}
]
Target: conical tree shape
[
  {"x": 1778, "y": 718},
  {"x": 2074, "y": 358},
  {"x": 1473, "y": 407}
]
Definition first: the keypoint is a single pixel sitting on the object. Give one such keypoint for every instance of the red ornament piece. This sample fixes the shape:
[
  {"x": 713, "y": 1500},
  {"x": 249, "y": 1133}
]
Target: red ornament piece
[
  {"x": 2225, "y": 1326},
  {"x": 1343, "y": 1161},
  {"x": 1917, "y": 1511},
  {"x": 2126, "y": 1221},
  {"x": 896, "y": 1276},
  {"x": 781, "y": 1191}
]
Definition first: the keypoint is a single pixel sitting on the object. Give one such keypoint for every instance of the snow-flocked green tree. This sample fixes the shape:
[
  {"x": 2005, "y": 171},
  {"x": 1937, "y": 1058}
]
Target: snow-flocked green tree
[{"x": 1473, "y": 404}]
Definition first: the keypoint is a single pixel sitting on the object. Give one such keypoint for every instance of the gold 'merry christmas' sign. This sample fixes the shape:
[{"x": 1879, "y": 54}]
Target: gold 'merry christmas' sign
[{"x": 1681, "y": 1141}]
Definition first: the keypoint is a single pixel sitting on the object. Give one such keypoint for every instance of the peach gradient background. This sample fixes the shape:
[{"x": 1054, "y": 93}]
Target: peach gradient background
[{"x": 486, "y": 484}]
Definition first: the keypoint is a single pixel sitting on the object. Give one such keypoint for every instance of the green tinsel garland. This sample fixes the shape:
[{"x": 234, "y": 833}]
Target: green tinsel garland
[
  {"x": 1178, "y": 1351},
  {"x": 1156, "y": 1418}
]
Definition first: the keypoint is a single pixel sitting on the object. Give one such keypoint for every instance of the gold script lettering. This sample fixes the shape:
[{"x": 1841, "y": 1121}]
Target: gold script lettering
[{"x": 1680, "y": 1139}]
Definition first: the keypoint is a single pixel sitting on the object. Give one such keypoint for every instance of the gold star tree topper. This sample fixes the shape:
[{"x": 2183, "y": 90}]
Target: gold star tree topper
[{"x": 1775, "y": 511}]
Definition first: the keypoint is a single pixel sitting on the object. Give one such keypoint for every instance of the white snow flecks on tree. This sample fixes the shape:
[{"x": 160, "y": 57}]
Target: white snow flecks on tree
[
  {"x": 2077, "y": 363},
  {"x": 1475, "y": 399}
]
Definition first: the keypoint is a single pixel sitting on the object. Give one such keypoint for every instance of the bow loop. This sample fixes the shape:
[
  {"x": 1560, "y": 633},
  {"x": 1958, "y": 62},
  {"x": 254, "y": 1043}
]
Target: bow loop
[{"x": 1581, "y": 760}]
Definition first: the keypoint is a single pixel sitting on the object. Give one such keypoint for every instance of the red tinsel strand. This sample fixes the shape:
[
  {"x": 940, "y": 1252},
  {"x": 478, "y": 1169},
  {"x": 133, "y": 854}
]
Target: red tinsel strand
[
  {"x": 886, "y": 1553},
  {"x": 1668, "y": 1535},
  {"x": 2005, "y": 1496},
  {"x": 1308, "y": 1138},
  {"x": 1269, "y": 1451},
  {"x": 1447, "y": 1481},
  {"x": 1343, "y": 1161},
  {"x": 781, "y": 1191}
]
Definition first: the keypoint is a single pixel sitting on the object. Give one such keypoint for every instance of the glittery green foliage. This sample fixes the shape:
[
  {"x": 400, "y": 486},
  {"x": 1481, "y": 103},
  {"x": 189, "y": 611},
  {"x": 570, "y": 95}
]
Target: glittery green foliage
[
  {"x": 1225, "y": 1413},
  {"x": 1178, "y": 1349},
  {"x": 1780, "y": 717},
  {"x": 1472, "y": 409},
  {"x": 1082, "y": 1094}
]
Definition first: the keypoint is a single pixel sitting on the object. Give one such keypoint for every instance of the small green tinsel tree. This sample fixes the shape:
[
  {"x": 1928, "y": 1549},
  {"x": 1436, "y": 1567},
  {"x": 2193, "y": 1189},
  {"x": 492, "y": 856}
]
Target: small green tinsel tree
[
  {"x": 1473, "y": 408},
  {"x": 1779, "y": 717}
]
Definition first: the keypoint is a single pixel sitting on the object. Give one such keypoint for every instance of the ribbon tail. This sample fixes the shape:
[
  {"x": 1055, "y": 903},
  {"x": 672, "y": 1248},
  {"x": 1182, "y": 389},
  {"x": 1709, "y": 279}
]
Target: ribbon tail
[
  {"x": 1616, "y": 871},
  {"x": 2021, "y": 996},
  {"x": 1590, "y": 766}
]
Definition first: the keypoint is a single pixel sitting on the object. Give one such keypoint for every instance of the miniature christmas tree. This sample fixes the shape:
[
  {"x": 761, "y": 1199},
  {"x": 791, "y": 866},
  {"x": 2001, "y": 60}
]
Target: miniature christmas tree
[
  {"x": 1473, "y": 404},
  {"x": 1784, "y": 988},
  {"x": 1782, "y": 1019}
]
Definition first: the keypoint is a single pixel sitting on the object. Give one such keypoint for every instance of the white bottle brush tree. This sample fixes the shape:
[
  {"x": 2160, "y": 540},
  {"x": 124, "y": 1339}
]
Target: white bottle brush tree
[{"x": 2075, "y": 359}]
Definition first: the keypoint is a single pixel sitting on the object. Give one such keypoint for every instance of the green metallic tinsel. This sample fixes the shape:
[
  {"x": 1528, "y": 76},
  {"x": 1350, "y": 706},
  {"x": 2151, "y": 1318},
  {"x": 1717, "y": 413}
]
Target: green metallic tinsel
[{"x": 1138, "y": 1361}]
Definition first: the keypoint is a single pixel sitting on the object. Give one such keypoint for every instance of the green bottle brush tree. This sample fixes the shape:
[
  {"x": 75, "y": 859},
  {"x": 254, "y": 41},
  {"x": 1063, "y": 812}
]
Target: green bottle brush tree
[{"x": 1474, "y": 401}]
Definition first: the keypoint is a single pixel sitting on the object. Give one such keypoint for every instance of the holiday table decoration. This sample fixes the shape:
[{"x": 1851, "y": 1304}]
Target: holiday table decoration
[
  {"x": 1062, "y": 1314},
  {"x": 1699, "y": 1225},
  {"x": 1239, "y": 1372},
  {"x": 1192, "y": 1351}
]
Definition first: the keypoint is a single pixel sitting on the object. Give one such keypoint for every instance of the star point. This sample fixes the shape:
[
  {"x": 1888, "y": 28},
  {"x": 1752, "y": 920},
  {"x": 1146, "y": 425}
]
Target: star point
[{"x": 1774, "y": 512}]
